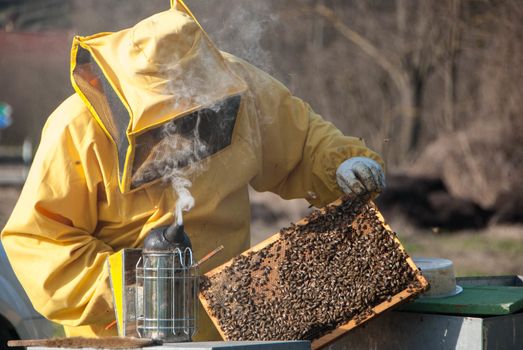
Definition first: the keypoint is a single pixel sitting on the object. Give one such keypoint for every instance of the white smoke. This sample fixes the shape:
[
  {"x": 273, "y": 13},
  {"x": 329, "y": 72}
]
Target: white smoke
[
  {"x": 187, "y": 156},
  {"x": 181, "y": 156},
  {"x": 241, "y": 28},
  {"x": 176, "y": 159},
  {"x": 202, "y": 85}
]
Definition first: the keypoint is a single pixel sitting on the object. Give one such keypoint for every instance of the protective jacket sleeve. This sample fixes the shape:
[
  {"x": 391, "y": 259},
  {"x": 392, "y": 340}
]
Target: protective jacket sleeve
[
  {"x": 48, "y": 238},
  {"x": 300, "y": 150}
]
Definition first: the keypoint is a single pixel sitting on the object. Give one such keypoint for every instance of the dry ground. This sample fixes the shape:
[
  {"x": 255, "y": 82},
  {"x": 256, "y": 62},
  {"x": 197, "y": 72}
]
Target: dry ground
[{"x": 496, "y": 250}]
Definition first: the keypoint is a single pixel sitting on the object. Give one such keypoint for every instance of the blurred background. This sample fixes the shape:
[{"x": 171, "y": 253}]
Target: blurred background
[{"x": 434, "y": 86}]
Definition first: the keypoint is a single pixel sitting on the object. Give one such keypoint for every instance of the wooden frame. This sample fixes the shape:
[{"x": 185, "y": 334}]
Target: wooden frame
[{"x": 397, "y": 299}]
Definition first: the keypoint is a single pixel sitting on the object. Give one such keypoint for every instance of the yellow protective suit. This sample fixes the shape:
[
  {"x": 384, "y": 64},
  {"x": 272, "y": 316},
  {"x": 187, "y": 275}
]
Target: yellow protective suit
[{"x": 78, "y": 205}]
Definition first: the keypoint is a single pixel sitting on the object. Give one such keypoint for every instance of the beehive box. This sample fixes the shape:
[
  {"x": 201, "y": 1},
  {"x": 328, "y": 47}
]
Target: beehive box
[{"x": 315, "y": 280}]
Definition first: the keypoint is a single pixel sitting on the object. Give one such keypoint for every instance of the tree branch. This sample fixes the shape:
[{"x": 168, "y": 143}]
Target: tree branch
[{"x": 398, "y": 77}]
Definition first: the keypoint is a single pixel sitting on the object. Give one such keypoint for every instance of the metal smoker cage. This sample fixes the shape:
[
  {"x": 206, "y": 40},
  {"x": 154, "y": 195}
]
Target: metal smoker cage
[{"x": 167, "y": 295}]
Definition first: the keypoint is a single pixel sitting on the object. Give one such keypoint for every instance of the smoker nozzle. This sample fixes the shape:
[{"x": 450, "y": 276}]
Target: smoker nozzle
[{"x": 167, "y": 238}]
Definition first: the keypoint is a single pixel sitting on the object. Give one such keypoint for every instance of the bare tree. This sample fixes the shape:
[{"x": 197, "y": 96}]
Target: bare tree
[{"x": 410, "y": 40}]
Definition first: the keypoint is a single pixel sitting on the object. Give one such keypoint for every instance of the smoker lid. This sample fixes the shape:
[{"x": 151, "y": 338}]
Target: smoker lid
[{"x": 167, "y": 238}]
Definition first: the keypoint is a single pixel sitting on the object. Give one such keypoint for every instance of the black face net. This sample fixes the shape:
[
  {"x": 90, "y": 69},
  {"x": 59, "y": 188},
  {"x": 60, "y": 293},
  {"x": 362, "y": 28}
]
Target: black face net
[{"x": 182, "y": 142}]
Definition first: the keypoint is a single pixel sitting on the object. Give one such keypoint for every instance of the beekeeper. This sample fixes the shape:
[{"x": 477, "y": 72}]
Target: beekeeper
[{"x": 96, "y": 187}]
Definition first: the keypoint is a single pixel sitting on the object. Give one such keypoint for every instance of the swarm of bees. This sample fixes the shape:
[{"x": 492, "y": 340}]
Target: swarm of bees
[{"x": 317, "y": 276}]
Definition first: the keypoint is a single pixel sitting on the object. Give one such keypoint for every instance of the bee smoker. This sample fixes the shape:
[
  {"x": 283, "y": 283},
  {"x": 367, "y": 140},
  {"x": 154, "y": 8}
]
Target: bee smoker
[{"x": 167, "y": 276}]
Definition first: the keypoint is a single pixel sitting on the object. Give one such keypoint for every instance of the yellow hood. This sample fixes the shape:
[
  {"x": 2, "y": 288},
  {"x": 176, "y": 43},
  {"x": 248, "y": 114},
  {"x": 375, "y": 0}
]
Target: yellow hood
[{"x": 134, "y": 80}]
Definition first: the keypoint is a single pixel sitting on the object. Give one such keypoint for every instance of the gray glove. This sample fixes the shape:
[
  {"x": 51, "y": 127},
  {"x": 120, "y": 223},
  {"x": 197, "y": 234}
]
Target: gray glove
[{"x": 360, "y": 176}]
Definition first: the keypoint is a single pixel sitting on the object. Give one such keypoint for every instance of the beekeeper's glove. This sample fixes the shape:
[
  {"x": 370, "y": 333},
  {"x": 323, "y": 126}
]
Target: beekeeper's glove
[{"x": 360, "y": 176}]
